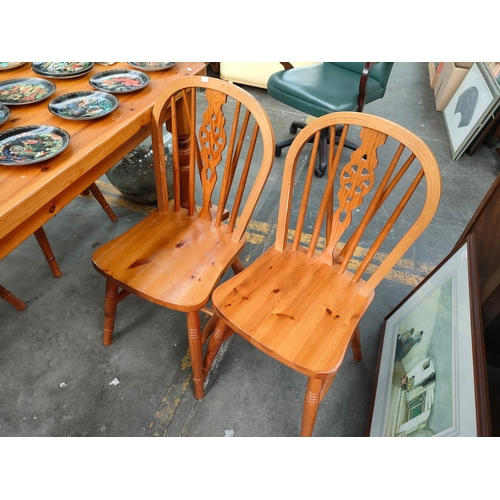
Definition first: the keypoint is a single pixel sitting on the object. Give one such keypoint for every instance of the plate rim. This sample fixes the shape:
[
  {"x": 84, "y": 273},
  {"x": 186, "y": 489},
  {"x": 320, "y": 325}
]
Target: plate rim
[
  {"x": 17, "y": 65},
  {"x": 108, "y": 95},
  {"x": 162, "y": 68},
  {"x": 7, "y": 116},
  {"x": 64, "y": 75},
  {"x": 46, "y": 82},
  {"x": 118, "y": 71},
  {"x": 64, "y": 134}
]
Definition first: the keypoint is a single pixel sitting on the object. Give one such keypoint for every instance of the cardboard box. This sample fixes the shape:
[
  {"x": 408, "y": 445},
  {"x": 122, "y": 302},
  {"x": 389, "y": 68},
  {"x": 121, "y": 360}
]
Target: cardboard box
[
  {"x": 255, "y": 74},
  {"x": 448, "y": 81},
  {"x": 434, "y": 70}
]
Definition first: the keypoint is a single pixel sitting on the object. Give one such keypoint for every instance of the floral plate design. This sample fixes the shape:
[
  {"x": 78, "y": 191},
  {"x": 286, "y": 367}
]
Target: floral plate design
[
  {"x": 4, "y": 113},
  {"x": 119, "y": 81},
  {"x": 61, "y": 69},
  {"x": 31, "y": 144},
  {"x": 25, "y": 90},
  {"x": 152, "y": 66},
  {"x": 10, "y": 65},
  {"x": 84, "y": 105}
]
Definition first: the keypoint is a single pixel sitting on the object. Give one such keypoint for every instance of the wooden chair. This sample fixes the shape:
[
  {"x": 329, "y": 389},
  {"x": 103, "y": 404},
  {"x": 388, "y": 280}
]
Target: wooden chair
[
  {"x": 41, "y": 237},
  {"x": 176, "y": 256},
  {"x": 302, "y": 300}
]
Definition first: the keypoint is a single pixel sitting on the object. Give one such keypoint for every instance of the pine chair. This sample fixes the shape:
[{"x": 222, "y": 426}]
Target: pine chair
[
  {"x": 176, "y": 256},
  {"x": 302, "y": 300},
  {"x": 328, "y": 87}
]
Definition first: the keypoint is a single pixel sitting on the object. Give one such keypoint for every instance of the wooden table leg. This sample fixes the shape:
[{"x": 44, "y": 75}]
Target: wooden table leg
[
  {"x": 102, "y": 201},
  {"x": 41, "y": 237},
  {"x": 184, "y": 143},
  {"x": 12, "y": 299}
]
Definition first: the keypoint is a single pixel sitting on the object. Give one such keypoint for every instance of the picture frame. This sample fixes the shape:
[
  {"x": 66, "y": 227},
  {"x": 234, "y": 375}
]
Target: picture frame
[
  {"x": 470, "y": 108},
  {"x": 431, "y": 377}
]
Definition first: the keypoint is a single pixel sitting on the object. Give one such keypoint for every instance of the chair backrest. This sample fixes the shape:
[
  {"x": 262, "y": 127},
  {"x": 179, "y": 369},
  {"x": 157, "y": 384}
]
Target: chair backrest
[
  {"x": 226, "y": 135},
  {"x": 379, "y": 71},
  {"x": 368, "y": 193},
  {"x": 330, "y": 87}
]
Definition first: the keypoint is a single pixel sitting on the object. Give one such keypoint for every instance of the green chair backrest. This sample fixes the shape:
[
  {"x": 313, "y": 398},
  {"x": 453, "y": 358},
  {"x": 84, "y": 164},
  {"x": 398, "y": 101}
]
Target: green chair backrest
[{"x": 379, "y": 71}]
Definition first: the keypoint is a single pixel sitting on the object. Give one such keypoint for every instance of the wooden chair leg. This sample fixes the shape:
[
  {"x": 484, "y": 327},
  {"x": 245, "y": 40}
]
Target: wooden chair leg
[
  {"x": 311, "y": 404},
  {"x": 41, "y": 237},
  {"x": 102, "y": 201},
  {"x": 356, "y": 345},
  {"x": 237, "y": 266},
  {"x": 110, "y": 303},
  {"x": 221, "y": 333},
  {"x": 195, "y": 348},
  {"x": 12, "y": 299}
]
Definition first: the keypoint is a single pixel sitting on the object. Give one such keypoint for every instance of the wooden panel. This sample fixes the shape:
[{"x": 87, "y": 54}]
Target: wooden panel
[{"x": 485, "y": 225}]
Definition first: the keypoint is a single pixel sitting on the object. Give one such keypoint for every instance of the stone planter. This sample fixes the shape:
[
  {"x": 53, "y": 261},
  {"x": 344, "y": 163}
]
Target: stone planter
[{"x": 134, "y": 175}]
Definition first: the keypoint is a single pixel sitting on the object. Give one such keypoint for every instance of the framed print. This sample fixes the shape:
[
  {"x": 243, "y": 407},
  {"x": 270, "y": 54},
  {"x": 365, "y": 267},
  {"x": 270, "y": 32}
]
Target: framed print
[
  {"x": 470, "y": 108},
  {"x": 431, "y": 374}
]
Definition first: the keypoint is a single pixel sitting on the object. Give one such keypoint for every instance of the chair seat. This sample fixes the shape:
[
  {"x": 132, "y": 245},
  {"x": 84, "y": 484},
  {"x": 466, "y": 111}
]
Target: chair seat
[
  {"x": 322, "y": 88},
  {"x": 314, "y": 337},
  {"x": 191, "y": 253}
]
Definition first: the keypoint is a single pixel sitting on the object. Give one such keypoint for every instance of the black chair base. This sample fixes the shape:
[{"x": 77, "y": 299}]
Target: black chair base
[{"x": 323, "y": 146}]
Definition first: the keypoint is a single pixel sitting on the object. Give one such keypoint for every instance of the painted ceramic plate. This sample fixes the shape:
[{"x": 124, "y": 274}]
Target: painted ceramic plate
[
  {"x": 152, "y": 66},
  {"x": 62, "y": 69},
  {"x": 85, "y": 105},
  {"x": 119, "y": 80},
  {"x": 31, "y": 144},
  {"x": 4, "y": 113},
  {"x": 25, "y": 90},
  {"x": 10, "y": 65}
]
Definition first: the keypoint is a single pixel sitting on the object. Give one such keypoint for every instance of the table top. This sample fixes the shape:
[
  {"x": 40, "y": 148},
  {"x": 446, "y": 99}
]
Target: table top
[{"x": 27, "y": 189}]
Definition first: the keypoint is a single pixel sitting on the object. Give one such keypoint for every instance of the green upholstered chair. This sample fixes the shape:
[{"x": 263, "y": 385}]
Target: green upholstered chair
[{"x": 325, "y": 88}]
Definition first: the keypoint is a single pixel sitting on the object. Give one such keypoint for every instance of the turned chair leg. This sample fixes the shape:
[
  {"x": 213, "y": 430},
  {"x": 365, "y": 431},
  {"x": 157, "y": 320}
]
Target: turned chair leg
[
  {"x": 220, "y": 334},
  {"x": 102, "y": 201},
  {"x": 237, "y": 266},
  {"x": 12, "y": 299},
  {"x": 110, "y": 303},
  {"x": 195, "y": 348},
  {"x": 41, "y": 237},
  {"x": 311, "y": 404},
  {"x": 356, "y": 346}
]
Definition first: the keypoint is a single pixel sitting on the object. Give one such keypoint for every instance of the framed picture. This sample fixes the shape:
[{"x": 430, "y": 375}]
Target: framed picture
[
  {"x": 431, "y": 374},
  {"x": 470, "y": 108}
]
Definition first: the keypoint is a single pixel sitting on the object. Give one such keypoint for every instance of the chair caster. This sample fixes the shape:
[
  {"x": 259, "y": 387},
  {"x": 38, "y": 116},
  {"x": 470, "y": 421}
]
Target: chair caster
[
  {"x": 318, "y": 172},
  {"x": 277, "y": 150},
  {"x": 292, "y": 129}
]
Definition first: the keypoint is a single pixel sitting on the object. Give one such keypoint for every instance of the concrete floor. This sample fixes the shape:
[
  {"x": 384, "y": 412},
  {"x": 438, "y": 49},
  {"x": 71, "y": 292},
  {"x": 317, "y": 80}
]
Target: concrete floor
[{"x": 57, "y": 379}]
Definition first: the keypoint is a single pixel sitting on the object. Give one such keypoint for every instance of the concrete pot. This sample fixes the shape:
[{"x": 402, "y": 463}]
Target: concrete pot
[{"x": 134, "y": 175}]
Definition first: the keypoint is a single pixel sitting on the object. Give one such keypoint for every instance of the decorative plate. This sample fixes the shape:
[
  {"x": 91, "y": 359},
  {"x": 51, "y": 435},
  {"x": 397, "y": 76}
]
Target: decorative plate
[
  {"x": 119, "y": 80},
  {"x": 4, "y": 113},
  {"x": 10, "y": 65},
  {"x": 25, "y": 90},
  {"x": 152, "y": 66},
  {"x": 84, "y": 105},
  {"x": 62, "y": 69},
  {"x": 31, "y": 144}
]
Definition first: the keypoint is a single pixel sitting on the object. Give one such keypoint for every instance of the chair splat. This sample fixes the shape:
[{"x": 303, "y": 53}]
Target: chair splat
[
  {"x": 212, "y": 137},
  {"x": 357, "y": 179}
]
